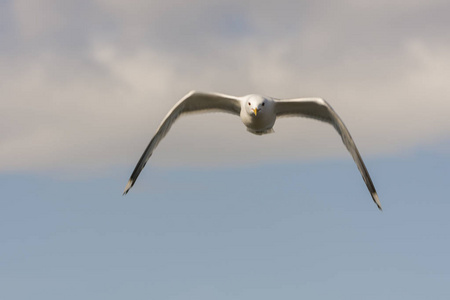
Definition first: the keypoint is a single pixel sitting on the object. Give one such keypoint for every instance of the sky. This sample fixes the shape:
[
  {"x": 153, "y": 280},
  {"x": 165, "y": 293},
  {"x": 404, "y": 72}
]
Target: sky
[{"x": 217, "y": 212}]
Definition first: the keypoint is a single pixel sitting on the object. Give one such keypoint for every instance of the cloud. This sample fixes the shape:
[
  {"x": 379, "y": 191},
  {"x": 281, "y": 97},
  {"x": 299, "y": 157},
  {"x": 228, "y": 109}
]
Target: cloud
[{"x": 84, "y": 84}]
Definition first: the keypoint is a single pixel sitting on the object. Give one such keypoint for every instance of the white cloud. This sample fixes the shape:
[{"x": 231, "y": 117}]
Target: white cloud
[{"x": 90, "y": 92}]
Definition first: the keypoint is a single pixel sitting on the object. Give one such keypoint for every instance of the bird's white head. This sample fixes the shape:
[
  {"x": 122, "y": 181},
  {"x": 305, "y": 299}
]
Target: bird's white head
[{"x": 256, "y": 105}]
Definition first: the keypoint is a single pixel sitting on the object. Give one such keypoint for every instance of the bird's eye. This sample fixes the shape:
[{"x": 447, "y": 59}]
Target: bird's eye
[
  {"x": 263, "y": 103},
  {"x": 249, "y": 103}
]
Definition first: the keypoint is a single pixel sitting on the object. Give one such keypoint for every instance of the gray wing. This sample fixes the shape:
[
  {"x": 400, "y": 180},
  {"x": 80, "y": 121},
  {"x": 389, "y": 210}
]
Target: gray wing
[
  {"x": 192, "y": 102},
  {"x": 319, "y": 109}
]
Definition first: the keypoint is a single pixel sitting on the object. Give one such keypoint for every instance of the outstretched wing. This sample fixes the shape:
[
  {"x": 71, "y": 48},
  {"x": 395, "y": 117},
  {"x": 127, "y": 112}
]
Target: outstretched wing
[
  {"x": 319, "y": 109},
  {"x": 192, "y": 102}
]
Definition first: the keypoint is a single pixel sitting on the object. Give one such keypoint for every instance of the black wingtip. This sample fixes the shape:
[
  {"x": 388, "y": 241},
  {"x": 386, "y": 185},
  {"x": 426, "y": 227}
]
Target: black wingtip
[
  {"x": 377, "y": 201},
  {"x": 128, "y": 187}
]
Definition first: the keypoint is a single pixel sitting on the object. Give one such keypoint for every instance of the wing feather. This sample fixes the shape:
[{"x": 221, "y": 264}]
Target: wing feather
[
  {"x": 319, "y": 109},
  {"x": 192, "y": 102}
]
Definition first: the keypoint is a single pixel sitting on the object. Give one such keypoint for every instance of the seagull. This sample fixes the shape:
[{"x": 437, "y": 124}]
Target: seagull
[{"x": 258, "y": 114}]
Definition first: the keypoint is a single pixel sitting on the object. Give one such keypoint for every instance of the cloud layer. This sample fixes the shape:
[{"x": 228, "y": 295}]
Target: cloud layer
[{"x": 84, "y": 84}]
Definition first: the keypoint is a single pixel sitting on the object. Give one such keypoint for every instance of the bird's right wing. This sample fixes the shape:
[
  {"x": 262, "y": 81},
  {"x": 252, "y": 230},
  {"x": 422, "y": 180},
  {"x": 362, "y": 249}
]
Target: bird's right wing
[{"x": 192, "y": 102}]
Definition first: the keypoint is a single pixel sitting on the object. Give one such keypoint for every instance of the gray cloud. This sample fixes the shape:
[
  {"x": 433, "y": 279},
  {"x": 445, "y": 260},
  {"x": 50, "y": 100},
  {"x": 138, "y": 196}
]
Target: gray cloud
[{"x": 84, "y": 84}]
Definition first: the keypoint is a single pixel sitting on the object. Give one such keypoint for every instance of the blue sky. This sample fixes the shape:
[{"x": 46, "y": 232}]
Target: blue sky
[
  {"x": 219, "y": 213},
  {"x": 310, "y": 229}
]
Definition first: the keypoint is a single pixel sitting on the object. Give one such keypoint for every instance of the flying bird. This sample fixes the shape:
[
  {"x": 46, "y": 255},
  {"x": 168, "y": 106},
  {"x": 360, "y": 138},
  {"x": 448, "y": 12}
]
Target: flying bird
[{"x": 258, "y": 114}]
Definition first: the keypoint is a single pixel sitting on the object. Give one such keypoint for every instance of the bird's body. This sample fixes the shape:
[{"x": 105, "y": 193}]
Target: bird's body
[{"x": 258, "y": 114}]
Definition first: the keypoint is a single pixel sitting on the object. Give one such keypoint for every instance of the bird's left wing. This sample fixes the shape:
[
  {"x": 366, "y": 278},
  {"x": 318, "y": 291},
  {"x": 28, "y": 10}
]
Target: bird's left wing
[
  {"x": 192, "y": 102},
  {"x": 319, "y": 109}
]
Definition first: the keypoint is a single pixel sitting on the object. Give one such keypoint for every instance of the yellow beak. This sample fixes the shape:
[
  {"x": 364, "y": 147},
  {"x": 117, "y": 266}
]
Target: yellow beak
[{"x": 255, "y": 110}]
